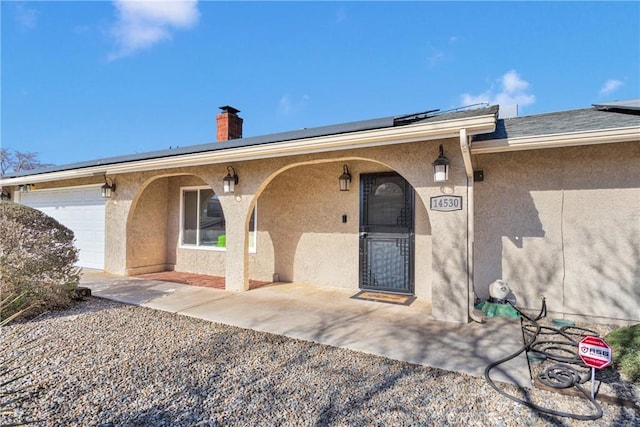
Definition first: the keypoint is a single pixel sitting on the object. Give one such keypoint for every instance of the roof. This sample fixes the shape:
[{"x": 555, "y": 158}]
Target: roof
[
  {"x": 601, "y": 116},
  {"x": 430, "y": 116},
  {"x": 632, "y": 104}
]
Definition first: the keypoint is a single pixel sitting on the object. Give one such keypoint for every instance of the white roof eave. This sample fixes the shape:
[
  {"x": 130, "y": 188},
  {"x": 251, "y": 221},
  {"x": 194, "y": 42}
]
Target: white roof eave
[{"x": 569, "y": 139}]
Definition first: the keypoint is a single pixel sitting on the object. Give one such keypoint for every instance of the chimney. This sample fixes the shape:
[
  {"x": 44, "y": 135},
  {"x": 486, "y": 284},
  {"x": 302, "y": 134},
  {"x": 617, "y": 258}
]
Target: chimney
[
  {"x": 507, "y": 111},
  {"x": 229, "y": 124}
]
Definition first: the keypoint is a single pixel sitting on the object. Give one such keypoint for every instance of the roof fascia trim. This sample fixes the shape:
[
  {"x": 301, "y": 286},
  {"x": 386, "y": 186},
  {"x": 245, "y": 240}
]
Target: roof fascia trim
[
  {"x": 363, "y": 139},
  {"x": 569, "y": 139}
]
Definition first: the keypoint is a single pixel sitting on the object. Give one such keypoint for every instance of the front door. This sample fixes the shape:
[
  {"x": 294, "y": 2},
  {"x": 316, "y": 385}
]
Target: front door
[{"x": 386, "y": 233}]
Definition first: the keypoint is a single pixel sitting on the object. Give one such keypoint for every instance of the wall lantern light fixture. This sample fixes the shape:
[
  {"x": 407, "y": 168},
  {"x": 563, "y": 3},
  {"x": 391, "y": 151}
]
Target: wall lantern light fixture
[
  {"x": 230, "y": 181},
  {"x": 108, "y": 188},
  {"x": 345, "y": 179},
  {"x": 5, "y": 195},
  {"x": 441, "y": 167},
  {"x": 26, "y": 188}
]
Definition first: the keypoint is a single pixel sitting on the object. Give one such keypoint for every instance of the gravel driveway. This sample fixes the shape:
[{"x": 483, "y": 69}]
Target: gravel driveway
[{"x": 109, "y": 364}]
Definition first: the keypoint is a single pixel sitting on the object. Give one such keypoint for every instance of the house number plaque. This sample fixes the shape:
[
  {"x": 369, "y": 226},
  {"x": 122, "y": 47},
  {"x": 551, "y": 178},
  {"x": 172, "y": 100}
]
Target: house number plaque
[{"x": 446, "y": 203}]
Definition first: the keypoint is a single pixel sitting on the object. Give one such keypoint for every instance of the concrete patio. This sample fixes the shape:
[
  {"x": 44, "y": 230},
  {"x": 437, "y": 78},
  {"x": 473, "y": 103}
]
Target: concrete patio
[{"x": 330, "y": 316}]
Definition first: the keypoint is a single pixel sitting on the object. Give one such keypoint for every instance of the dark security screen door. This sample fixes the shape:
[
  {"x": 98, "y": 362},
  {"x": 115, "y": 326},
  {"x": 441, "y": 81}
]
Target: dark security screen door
[{"x": 386, "y": 233}]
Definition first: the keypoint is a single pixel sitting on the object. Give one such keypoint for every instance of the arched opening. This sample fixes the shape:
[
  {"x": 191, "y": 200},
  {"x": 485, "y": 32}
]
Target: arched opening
[
  {"x": 174, "y": 223},
  {"x": 308, "y": 230}
]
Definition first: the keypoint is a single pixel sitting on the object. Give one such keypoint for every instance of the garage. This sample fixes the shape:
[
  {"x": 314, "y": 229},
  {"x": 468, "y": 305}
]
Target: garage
[{"x": 82, "y": 210}]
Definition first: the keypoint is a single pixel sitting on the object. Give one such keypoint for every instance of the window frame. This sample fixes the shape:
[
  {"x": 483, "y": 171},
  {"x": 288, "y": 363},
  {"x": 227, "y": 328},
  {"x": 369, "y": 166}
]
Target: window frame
[{"x": 253, "y": 235}]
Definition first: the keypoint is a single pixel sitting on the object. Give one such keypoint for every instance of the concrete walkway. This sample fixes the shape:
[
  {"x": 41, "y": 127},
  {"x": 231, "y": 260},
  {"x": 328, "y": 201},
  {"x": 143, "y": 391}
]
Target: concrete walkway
[{"x": 329, "y": 316}]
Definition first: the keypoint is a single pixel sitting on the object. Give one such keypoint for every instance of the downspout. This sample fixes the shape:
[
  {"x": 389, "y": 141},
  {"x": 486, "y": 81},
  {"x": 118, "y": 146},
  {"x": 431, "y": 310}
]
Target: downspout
[{"x": 468, "y": 167}]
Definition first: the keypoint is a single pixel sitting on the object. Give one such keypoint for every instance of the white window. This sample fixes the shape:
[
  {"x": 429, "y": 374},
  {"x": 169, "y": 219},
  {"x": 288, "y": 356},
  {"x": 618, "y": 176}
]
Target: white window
[{"x": 203, "y": 223}]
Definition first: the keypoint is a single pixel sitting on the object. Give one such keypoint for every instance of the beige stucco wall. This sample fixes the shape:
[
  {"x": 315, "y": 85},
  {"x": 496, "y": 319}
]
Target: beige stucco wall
[
  {"x": 563, "y": 223},
  {"x": 147, "y": 230},
  {"x": 301, "y": 212},
  {"x": 262, "y": 260},
  {"x": 449, "y": 281},
  {"x": 423, "y": 258}
]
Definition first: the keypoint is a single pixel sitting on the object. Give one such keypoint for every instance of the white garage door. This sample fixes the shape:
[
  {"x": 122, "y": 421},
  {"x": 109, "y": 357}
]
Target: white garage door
[{"x": 82, "y": 210}]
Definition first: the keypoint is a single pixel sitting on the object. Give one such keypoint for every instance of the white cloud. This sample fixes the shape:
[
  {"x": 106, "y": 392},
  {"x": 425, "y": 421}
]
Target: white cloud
[
  {"x": 610, "y": 86},
  {"x": 512, "y": 90},
  {"x": 26, "y": 17},
  {"x": 288, "y": 106},
  {"x": 143, "y": 23},
  {"x": 512, "y": 83},
  {"x": 483, "y": 98}
]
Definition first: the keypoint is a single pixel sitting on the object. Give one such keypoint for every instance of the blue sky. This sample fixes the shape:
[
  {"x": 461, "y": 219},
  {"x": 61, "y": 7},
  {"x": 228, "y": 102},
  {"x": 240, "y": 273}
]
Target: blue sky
[{"x": 86, "y": 80}]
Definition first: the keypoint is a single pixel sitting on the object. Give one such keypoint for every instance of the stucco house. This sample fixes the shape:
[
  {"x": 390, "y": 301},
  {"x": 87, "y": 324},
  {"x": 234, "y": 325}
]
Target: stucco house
[{"x": 434, "y": 204}]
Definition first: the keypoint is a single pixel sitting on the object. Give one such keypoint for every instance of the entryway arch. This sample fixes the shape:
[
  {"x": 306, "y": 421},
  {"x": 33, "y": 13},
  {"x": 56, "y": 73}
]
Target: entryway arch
[
  {"x": 308, "y": 229},
  {"x": 153, "y": 229}
]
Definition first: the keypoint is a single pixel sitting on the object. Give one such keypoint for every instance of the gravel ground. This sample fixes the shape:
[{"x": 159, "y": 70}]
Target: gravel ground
[{"x": 108, "y": 364}]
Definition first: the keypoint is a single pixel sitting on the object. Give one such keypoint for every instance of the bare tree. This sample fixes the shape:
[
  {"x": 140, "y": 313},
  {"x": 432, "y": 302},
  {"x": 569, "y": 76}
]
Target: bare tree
[
  {"x": 17, "y": 161},
  {"x": 5, "y": 160}
]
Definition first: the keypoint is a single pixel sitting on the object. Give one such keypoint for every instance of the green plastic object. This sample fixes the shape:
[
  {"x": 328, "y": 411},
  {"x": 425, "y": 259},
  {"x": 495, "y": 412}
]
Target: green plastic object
[
  {"x": 536, "y": 357},
  {"x": 563, "y": 322},
  {"x": 491, "y": 309},
  {"x": 222, "y": 241}
]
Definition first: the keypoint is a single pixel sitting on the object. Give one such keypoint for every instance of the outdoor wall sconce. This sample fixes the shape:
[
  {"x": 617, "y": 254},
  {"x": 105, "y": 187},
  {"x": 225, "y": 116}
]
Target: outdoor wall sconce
[
  {"x": 230, "y": 181},
  {"x": 345, "y": 179},
  {"x": 441, "y": 167},
  {"x": 26, "y": 188},
  {"x": 107, "y": 188},
  {"x": 5, "y": 195}
]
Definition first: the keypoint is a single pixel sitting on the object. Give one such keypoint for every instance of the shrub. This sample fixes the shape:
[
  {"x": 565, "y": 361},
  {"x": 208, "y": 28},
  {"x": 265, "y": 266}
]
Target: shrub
[
  {"x": 37, "y": 257},
  {"x": 626, "y": 351}
]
